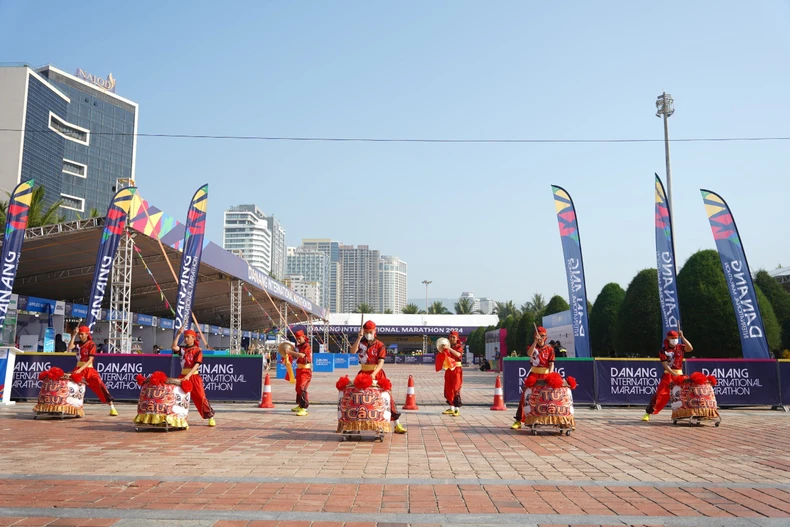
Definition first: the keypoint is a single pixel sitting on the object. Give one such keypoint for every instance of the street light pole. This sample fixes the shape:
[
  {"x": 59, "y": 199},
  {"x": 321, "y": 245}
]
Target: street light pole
[
  {"x": 665, "y": 107},
  {"x": 426, "y": 282}
]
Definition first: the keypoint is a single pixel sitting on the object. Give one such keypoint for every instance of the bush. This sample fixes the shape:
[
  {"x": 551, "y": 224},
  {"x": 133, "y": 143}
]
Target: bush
[
  {"x": 524, "y": 333},
  {"x": 638, "y": 327},
  {"x": 603, "y": 317},
  {"x": 780, "y": 302},
  {"x": 557, "y": 304}
]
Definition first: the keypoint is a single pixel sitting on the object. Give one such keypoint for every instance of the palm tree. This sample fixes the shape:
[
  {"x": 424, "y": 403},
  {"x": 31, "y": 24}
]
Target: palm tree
[
  {"x": 437, "y": 308},
  {"x": 535, "y": 305},
  {"x": 39, "y": 215},
  {"x": 388, "y": 311},
  {"x": 92, "y": 213},
  {"x": 410, "y": 309},
  {"x": 363, "y": 308},
  {"x": 464, "y": 306},
  {"x": 505, "y": 309}
]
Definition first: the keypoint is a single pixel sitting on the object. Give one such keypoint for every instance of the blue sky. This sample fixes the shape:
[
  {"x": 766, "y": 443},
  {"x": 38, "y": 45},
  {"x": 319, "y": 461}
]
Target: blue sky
[{"x": 470, "y": 217}]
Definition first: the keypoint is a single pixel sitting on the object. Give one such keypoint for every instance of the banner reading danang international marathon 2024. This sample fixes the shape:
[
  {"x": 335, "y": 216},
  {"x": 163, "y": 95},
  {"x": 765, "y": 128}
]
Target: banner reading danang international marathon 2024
[
  {"x": 665, "y": 262},
  {"x": 574, "y": 269},
  {"x": 190, "y": 260},
  {"x": 738, "y": 276},
  {"x": 15, "y": 225},
  {"x": 114, "y": 227}
]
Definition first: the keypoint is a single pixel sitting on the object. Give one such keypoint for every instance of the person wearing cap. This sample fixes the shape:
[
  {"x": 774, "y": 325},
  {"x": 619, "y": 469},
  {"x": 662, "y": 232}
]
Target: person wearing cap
[
  {"x": 541, "y": 357},
  {"x": 191, "y": 359},
  {"x": 304, "y": 371},
  {"x": 372, "y": 352},
  {"x": 671, "y": 356},
  {"x": 453, "y": 375},
  {"x": 86, "y": 354}
]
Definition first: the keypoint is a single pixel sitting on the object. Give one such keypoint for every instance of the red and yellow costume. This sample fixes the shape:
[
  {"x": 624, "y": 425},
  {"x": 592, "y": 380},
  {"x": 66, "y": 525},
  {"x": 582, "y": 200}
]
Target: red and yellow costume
[
  {"x": 304, "y": 374},
  {"x": 369, "y": 355},
  {"x": 542, "y": 358},
  {"x": 190, "y": 356},
  {"x": 85, "y": 351},
  {"x": 673, "y": 356},
  {"x": 453, "y": 375}
]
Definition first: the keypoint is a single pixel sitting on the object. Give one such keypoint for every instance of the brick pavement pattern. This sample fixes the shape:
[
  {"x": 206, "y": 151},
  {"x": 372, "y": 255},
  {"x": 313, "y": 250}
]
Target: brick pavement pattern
[{"x": 270, "y": 467}]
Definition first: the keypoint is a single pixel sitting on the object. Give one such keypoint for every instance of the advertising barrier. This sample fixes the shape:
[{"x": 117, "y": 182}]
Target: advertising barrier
[
  {"x": 353, "y": 360},
  {"x": 741, "y": 382},
  {"x": 231, "y": 377},
  {"x": 784, "y": 380},
  {"x": 324, "y": 362},
  {"x": 627, "y": 381},
  {"x": 583, "y": 370},
  {"x": 341, "y": 360}
]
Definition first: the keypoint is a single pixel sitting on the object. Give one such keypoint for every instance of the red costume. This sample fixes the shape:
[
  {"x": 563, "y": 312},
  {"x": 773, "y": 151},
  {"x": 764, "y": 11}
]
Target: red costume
[
  {"x": 191, "y": 355},
  {"x": 453, "y": 375},
  {"x": 541, "y": 360},
  {"x": 370, "y": 353},
  {"x": 304, "y": 372},
  {"x": 673, "y": 356},
  {"x": 85, "y": 351}
]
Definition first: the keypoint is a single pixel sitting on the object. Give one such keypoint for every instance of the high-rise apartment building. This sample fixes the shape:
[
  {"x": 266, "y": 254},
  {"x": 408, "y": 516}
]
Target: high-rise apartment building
[
  {"x": 278, "y": 255},
  {"x": 76, "y": 137},
  {"x": 309, "y": 289},
  {"x": 332, "y": 250},
  {"x": 393, "y": 283},
  {"x": 313, "y": 266},
  {"x": 246, "y": 233},
  {"x": 360, "y": 268},
  {"x": 471, "y": 297},
  {"x": 487, "y": 305}
]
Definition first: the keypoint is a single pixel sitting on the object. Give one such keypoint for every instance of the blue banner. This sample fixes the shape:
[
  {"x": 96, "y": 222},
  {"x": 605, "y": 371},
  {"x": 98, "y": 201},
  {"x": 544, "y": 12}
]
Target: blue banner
[
  {"x": 515, "y": 370},
  {"x": 738, "y": 276},
  {"x": 341, "y": 360},
  {"x": 190, "y": 260},
  {"x": 232, "y": 378},
  {"x": 353, "y": 359},
  {"x": 740, "y": 382},
  {"x": 574, "y": 269},
  {"x": 665, "y": 263},
  {"x": 114, "y": 228},
  {"x": 627, "y": 381},
  {"x": 323, "y": 362},
  {"x": 15, "y": 225}
]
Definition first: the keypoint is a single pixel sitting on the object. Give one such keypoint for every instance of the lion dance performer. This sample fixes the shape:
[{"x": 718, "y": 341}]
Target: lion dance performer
[
  {"x": 453, "y": 375},
  {"x": 541, "y": 356},
  {"x": 86, "y": 354},
  {"x": 371, "y": 353},
  {"x": 671, "y": 356},
  {"x": 191, "y": 359},
  {"x": 304, "y": 371}
]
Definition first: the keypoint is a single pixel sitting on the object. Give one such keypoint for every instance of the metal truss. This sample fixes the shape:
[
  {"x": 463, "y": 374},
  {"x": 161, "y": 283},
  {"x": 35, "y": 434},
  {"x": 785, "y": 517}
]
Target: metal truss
[
  {"x": 235, "y": 316},
  {"x": 120, "y": 318}
]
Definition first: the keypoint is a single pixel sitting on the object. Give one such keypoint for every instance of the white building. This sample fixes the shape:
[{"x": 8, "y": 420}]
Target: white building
[
  {"x": 278, "y": 255},
  {"x": 300, "y": 286},
  {"x": 487, "y": 305},
  {"x": 475, "y": 301},
  {"x": 332, "y": 250},
  {"x": 360, "y": 267},
  {"x": 313, "y": 266},
  {"x": 393, "y": 280},
  {"x": 246, "y": 233}
]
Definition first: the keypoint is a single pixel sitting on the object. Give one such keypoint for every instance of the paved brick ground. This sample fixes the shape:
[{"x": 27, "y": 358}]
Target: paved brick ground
[{"x": 269, "y": 467}]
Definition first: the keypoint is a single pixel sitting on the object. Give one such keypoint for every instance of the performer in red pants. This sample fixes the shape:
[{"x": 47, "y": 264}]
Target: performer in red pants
[
  {"x": 304, "y": 371},
  {"x": 541, "y": 356},
  {"x": 671, "y": 356},
  {"x": 86, "y": 352},
  {"x": 372, "y": 352},
  {"x": 453, "y": 375},
  {"x": 191, "y": 359}
]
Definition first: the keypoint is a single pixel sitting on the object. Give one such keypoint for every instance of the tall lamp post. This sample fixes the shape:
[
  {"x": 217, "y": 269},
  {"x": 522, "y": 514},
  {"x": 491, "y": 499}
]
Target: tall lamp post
[
  {"x": 665, "y": 107},
  {"x": 425, "y": 337}
]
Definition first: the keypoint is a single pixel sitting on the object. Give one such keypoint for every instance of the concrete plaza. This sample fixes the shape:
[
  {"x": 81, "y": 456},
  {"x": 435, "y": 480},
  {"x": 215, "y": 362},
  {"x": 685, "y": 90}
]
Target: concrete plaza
[{"x": 270, "y": 467}]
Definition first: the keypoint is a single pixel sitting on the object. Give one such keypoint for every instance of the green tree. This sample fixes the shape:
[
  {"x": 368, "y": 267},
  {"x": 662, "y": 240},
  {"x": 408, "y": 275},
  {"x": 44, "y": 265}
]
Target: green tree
[
  {"x": 535, "y": 305},
  {"x": 464, "y": 306},
  {"x": 506, "y": 309},
  {"x": 638, "y": 326},
  {"x": 437, "y": 308},
  {"x": 410, "y": 309},
  {"x": 780, "y": 302},
  {"x": 363, "y": 308},
  {"x": 524, "y": 332},
  {"x": 510, "y": 324},
  {"x": 387, "y": 311},
  {"x": 708, "y": 317},
  {"x": 92, "y": 213},
  {"x": 40, "y": 214},
  {"x": 603, "y": 317},
  {"x": 557, "y": 304}
]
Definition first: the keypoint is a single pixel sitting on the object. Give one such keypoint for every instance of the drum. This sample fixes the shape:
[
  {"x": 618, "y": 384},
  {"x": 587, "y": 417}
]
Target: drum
[
  {"x": 62, "y": 396},
  {"x": 693, "y": 400},
  {"x": 544, "y": 405},
  {"x": 366, "y": 409},
  {"x": 163, "y": 405}
]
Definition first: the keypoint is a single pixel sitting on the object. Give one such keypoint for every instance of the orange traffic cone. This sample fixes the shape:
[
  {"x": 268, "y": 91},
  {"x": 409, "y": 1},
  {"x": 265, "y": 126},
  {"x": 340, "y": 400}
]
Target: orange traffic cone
[
  {"x": 499, "y": 401},
  {"x": 411, "y": 399},
  {"x": 266, "y": 398}
]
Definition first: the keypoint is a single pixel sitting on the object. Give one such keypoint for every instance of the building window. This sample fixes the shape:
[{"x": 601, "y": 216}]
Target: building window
[
  {"x": 68, "y": 130},
  {"x": 72, "y": 203},
  {"x": 75, "y": 169}
]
